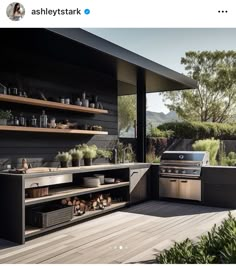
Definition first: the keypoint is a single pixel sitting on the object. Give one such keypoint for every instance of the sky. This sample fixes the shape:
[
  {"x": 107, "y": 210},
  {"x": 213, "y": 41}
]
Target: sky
[{"x": 167, "y": 46}]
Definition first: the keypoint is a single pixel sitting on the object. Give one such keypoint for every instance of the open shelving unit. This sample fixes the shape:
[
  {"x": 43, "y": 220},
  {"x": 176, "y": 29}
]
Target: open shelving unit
[
  {"x": 33, "y": 231},
  {"x": 50, "y": 104},
  {"x": 17, "y": 223},
  {"x": 119, "y": 193},
  {"x": 59, "y": 193},
  {"x": 52, "y": 130}
]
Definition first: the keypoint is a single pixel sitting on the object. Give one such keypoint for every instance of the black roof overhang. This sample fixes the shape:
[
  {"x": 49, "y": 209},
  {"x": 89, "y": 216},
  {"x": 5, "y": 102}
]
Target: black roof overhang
[
  {"x": 126, "y": 63},
  {"x": 79, "y": 47}
]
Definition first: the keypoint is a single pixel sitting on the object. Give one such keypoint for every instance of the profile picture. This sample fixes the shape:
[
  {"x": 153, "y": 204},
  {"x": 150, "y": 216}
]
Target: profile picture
[{"x": 15, "y": 11}]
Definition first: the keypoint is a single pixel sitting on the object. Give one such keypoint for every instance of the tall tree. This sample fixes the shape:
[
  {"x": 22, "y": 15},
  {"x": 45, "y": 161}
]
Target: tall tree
[
  {"x": 215, "y": 98},
  {"x": 126, "y": 111}
]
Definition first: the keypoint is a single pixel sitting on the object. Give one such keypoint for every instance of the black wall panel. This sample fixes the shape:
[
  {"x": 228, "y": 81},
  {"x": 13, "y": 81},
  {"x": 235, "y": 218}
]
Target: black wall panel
[{"x": 34, "y": 72}]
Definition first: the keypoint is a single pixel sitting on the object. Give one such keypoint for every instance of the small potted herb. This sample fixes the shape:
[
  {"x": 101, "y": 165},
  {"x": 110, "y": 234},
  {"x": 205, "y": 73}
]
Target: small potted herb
[
  {"x": 76, "y": 155},
  {"x": 64, "y": 158},
  {"x": 103, "y": 153},
  {"x": 4, "y": 116},
  {"x": 89, "y": 153}
]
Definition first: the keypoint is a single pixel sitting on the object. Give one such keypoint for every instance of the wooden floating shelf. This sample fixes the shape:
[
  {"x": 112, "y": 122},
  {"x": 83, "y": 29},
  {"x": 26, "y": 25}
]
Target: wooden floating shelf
[
  {"x": 60, "y": 193},
  {"x": 50, "y": 104},
  {"x": 33, "y": 231},
  {"x": 52, "y": 130}
]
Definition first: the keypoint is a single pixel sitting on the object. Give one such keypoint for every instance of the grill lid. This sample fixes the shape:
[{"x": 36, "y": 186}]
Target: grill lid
[{"x": 183, "y": 157}]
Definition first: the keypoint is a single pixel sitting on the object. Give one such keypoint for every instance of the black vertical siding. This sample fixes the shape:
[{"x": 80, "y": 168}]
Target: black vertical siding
[{"x": 35, "y": 72}]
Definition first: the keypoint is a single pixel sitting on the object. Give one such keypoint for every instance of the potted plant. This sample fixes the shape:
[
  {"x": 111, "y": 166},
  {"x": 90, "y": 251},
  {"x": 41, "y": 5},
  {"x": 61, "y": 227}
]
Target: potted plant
[
  {"x": 64, "y": 158},
  {"x": 89, "y": 153},
  {"x": 76, "y": 155},
  {"x": 103, "y": 153},
  {"x": 4, "y": 116}
]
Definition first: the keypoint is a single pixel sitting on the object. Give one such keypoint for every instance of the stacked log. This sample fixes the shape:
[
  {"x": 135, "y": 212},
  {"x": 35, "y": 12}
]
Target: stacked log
[{"x": 97, "y": 202}]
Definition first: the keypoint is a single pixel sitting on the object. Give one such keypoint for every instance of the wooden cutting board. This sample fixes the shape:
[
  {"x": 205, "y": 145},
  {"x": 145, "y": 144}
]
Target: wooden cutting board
[{"x": 40, "y": 170}]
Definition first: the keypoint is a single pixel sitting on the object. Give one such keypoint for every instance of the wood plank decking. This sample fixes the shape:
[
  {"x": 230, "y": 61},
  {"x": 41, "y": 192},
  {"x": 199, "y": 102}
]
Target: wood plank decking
[{"x": 132, "y": 235}]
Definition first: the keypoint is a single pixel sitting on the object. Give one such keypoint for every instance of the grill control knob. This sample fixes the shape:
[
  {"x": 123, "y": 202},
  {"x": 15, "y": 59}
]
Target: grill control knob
[
  {"x": 163, "y": 170},
  {"x": 169, "y": 170},
  {"x": 183, "y": 172},
  {"x": 176, "y": 171}
]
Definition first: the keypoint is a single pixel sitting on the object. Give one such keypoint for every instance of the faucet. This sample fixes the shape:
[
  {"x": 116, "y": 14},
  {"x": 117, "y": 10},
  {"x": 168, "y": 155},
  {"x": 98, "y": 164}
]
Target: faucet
[{"x": 129, "y": 147}]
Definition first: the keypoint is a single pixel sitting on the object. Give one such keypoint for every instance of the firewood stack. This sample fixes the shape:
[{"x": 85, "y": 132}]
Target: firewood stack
[
  {"x": 97, "y": 202},
  {"x": 80, "y": 206}
]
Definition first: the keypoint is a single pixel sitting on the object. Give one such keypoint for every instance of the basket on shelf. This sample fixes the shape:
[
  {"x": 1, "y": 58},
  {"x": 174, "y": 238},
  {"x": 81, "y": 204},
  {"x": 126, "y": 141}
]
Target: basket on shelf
[
  {"x": 37, "y": 192},
  {"x": 46, "y": 216}
]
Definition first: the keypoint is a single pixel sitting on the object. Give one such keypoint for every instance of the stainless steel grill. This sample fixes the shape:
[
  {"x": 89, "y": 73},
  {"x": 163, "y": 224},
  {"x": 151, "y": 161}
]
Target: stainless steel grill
[
  {"x": 180, "y": 173},
  {"x": 183, "y": 163}
]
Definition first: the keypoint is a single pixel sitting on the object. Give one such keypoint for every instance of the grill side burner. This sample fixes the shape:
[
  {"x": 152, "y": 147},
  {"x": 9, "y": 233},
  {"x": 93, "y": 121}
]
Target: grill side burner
[{"x": 180, "y": 174}]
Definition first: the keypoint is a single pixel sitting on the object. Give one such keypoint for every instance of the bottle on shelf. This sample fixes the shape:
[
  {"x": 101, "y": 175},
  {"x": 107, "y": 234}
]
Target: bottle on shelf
[
  {"x": 43, "y": 120},
  {"x": 114, "y": 156},
  {"x": 67, "y": 100},
  {"x": 14, "y": 91},
  {"x": 85, "y": 102},
  {"x": 33, "y": 121},
  {"x": 62, "y": 100},
  {"x": 3, "y": 89},
  {"x": 22, "y": 120},
  {"x": 16, "y": 121},
  {"x": 10, "y": 121}
]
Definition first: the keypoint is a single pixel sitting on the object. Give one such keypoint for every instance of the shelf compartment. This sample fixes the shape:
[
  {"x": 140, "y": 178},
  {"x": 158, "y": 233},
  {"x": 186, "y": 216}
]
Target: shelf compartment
[
  {"x": 50, "y": 104},
  {"x": 60, "y": 193},
  {"x": 32, "y": 231},
  {"x": 52, "y": 130}
]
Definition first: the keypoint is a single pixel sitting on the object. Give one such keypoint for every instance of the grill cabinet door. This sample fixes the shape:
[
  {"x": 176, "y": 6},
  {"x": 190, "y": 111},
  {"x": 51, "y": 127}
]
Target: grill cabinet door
[
  {"x": 168, "y": 188},
  {"x": 190, "y": 189}
]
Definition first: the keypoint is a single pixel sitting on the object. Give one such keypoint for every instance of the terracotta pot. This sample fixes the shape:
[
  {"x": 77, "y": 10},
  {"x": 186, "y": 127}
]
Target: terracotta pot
[
  {"x": 75, "y": 163},
  {"x": 88, "y": 161}
]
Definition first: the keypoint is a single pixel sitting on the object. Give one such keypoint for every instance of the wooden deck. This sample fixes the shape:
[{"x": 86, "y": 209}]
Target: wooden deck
[{"x": 132, "y": 235}]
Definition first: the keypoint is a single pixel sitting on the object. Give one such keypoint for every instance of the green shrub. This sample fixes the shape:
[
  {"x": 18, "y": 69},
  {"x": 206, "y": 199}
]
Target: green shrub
[
  {"x": 229, "y": 160},
  {"x": 157, "y": 160},
  {"x": 218, "y": 247},
  {"x": 210, "y": 145},
  {"x": 200, "y": 130},
  {"x": 157, "y": 133}
]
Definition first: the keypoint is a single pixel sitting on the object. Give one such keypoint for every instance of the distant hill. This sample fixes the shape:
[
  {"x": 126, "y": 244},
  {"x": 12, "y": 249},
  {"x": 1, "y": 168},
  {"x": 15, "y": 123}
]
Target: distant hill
[
  {"x": 159, "y": 118},
  {"x": 155, "y": 119}
]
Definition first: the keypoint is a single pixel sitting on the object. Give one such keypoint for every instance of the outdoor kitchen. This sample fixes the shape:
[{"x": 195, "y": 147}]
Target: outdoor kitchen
[{"x": 61, "y": 159}]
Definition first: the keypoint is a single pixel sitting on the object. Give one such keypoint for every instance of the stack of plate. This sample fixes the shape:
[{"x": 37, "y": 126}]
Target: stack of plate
[
  {"x": 101, "y": 177},
  {"x": 92, "y": 181}
]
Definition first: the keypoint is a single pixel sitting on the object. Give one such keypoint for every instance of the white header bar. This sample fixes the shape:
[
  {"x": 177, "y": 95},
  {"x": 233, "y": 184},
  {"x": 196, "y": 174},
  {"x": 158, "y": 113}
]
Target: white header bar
[{"x": 123, "y": 13}]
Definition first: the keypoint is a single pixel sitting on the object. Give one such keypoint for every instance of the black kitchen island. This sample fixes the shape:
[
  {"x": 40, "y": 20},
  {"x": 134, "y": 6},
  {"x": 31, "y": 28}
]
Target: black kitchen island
[{"x": 133, "y": 188}]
